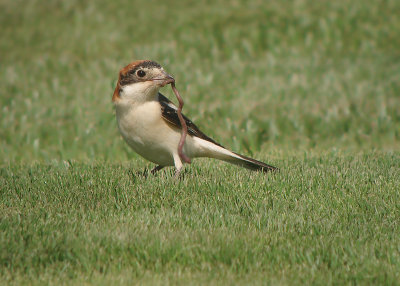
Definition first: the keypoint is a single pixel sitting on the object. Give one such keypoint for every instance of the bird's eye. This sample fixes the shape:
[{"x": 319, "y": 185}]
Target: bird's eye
[{"x": 141, "y": 73}]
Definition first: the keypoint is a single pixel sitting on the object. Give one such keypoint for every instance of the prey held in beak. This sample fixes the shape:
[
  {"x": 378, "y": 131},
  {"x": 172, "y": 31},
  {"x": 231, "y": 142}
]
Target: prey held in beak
[{"x": 165, "y": 79}]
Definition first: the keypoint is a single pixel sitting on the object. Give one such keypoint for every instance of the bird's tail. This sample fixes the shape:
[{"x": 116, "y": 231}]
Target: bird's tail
[
  {"x": 251, "y": 163},
  {"x": 212, "y": 150}
]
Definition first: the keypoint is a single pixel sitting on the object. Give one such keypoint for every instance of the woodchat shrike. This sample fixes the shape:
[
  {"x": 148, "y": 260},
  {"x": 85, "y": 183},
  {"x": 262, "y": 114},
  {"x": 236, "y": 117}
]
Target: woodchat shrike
[{"x": 148, "y": 121}]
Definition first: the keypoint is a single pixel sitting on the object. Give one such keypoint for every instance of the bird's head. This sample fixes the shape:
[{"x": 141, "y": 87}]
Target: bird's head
[{"x": 141, "y": 80}]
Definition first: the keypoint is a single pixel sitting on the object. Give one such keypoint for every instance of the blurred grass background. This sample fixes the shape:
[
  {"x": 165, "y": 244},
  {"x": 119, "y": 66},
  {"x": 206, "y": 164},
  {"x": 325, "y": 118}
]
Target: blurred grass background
[{"x": 255, "y": 75}]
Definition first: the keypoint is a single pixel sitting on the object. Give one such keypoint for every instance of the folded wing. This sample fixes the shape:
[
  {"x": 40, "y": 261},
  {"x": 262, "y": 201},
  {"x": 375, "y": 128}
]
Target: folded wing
[{"x": 170, "y": 114}]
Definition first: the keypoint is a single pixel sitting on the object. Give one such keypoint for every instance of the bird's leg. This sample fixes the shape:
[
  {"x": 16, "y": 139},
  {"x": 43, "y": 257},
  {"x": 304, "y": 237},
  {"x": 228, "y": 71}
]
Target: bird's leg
[
  {"x": 178, "y": 165},
  {"x": 156, "y": 169}
]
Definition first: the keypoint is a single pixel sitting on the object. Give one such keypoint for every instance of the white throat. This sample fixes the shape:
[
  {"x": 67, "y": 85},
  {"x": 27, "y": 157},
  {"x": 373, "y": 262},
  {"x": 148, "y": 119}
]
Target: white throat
[{"x": 139, "y": 92}]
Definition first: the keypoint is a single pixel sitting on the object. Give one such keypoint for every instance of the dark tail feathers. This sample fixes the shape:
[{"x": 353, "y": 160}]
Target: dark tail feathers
[{"x": 252, "y": 164}]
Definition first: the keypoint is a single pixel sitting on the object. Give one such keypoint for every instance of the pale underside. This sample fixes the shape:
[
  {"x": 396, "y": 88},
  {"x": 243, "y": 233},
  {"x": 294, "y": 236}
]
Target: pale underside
[{"x": 148, "y": 134}]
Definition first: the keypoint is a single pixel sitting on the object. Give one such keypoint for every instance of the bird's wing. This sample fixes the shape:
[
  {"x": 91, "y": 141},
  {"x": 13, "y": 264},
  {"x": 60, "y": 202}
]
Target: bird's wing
[{"x": 170, "y": 114}]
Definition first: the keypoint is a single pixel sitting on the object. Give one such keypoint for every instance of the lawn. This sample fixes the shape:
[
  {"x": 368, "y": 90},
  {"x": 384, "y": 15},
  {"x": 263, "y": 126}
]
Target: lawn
[{"x": 311, "y": 87}]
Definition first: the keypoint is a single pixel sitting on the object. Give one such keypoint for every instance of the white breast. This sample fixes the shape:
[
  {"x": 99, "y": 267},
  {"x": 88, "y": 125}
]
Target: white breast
[{"x": 147, "y": 133}]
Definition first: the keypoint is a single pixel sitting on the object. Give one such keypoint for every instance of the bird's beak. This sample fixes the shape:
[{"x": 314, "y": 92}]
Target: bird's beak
[{"x": 164, "y": 79}]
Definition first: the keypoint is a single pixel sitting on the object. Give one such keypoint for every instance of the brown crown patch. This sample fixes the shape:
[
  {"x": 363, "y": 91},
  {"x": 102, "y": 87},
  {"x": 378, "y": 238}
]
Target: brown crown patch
[{"x": 132, "y": 66}]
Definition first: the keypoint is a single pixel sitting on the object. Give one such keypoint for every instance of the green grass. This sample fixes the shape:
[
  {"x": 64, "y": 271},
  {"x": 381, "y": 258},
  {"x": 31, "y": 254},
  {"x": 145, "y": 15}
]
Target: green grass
[
  {"x": 328, "y": 218},
  {"x": 309, "y": 86}
]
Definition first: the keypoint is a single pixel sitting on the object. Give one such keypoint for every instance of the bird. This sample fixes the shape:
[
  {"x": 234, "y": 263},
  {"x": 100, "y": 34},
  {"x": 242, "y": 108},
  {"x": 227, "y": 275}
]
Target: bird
[{"x": 148, "y": 122}]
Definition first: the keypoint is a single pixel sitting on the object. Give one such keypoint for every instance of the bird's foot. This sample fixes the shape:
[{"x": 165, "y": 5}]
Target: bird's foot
[
  {"x": 156, "y": 169},
  {"x": 178, "y": 173}
]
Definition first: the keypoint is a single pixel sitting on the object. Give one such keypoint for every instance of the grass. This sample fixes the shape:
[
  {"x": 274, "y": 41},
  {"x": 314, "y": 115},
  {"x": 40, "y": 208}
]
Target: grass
[
  {"x": 309, "y": 86},
  {"x": 326, "y": 219}
]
